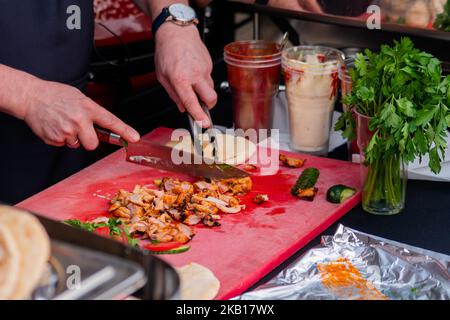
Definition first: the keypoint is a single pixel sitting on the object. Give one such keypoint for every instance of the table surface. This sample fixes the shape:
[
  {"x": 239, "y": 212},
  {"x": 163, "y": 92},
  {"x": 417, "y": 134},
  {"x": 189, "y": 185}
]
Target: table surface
[{"x": 424, "y": 223}]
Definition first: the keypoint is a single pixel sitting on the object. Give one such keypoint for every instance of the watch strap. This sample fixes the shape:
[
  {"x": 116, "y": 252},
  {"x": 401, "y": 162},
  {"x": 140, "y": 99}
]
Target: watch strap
[
  {"x": 160, "y": 19},
  {"x": 262, "y": 2}
]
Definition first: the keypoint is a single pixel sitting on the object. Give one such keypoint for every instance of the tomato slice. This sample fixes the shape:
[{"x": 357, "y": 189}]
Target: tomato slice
[
  {"x": 102, "y": 231},
  {"x": 163, "y": 246}
]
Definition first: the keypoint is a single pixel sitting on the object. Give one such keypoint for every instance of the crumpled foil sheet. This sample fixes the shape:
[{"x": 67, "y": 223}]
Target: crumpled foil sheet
[{"x": 354, "y": 265}]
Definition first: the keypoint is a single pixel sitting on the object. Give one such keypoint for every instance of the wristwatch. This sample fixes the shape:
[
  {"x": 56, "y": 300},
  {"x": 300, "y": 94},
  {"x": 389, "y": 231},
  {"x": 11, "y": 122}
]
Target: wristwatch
[{"x": 177, "y": 13}]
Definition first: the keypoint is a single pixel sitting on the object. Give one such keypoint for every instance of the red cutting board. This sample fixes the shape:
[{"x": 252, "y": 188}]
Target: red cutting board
[{"x": 247, "y": 245}]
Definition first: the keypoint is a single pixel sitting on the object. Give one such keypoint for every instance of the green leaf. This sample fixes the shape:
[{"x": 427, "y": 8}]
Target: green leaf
[
  {"x": 366, "y": 94},
  {"x": 421, "y": 142},
  {"x": 406, "y": 107},
  {"x": 390, "y": 117},
  {"x": 424, "y": 116},
  {"x": 361, "y": 64},
  {"x": 131, "y": 241},
  {"x": 442, "y": 21},
  {"x": 371, "y": 146},
  {"x": 347, "y": 124},
  {"x": 435, "y": 161},
  {"x": 88, "y": 226}
]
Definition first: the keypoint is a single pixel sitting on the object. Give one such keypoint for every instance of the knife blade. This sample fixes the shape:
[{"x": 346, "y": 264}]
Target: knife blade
[{"x": 159, "y": 156}]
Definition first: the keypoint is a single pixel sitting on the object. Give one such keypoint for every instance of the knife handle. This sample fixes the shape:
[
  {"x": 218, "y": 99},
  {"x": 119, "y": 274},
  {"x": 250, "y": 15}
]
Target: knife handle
[{"x": 110, "y": 137}]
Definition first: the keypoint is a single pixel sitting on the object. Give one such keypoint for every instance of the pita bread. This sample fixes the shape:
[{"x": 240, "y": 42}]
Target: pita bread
[
  {"x": 197, "y": 282},
  {"x": 232, "y": 150},
  {"x": 9, "y": 263},
  {"x": 33, "y": 246}
]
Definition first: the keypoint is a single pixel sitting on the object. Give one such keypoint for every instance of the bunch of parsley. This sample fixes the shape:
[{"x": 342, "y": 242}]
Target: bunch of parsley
[{"x": 405, "y": 93}]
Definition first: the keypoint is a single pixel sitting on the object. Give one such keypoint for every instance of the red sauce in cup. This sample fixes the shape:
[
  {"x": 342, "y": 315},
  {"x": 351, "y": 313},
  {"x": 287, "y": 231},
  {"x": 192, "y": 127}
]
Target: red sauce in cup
[{"x": 253, "y": 75}]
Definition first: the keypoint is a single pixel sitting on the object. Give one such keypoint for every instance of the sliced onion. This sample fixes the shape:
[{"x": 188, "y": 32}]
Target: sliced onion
[
  {"x": 225, "y": 209},
  {"x": 216, "y": 201}
]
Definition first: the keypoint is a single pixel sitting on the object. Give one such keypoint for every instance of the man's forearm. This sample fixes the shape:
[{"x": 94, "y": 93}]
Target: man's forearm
[{"x": 13, "y": 91}]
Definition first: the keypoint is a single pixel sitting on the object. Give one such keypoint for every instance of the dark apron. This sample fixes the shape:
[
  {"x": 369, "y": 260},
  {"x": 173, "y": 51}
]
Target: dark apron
[{"x": 35, "y": 38}]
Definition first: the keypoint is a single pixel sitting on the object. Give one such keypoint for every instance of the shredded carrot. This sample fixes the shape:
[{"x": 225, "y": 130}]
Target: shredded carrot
[{"x": 346, "y": 282}]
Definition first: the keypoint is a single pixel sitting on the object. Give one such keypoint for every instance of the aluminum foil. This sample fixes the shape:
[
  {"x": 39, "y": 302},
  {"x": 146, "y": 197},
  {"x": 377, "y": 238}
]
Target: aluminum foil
[{"x": 354, "y": 265}]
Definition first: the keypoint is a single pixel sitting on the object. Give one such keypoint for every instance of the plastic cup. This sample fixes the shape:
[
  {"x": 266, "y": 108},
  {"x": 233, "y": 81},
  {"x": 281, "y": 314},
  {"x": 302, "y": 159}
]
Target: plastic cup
[
  {"x": 346, "y": 88},
  {"x": 253, "y": 75},
  {"x": 345, "y": 78},
  {"x": 311, "y": 77}
]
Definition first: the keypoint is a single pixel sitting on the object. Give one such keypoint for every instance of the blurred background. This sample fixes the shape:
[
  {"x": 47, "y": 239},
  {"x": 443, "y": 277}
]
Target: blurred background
[{"x": 122, "y": 70}]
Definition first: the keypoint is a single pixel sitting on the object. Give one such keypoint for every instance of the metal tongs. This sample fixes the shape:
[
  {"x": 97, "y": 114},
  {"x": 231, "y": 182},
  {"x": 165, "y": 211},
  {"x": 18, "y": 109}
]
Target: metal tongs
[{"x": 197, "y": 132}]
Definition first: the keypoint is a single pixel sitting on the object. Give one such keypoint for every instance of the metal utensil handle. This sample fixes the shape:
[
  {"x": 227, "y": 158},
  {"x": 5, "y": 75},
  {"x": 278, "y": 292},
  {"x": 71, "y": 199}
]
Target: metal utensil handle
[
  {"x": 196, "y": 130},
  {"x": 195, "y": 135},
  {"x": 212, "y": 132}
]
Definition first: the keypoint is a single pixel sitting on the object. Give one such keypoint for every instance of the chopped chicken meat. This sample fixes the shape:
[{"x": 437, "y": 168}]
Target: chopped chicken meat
[
  {"x": 165, "y": 214},
  {"x": 235, "y": 186},
  {"x": 260, "y": 198}
]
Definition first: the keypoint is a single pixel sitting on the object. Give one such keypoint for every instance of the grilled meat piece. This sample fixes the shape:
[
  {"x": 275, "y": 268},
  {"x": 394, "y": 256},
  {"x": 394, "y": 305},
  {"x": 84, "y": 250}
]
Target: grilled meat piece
[
  {"x": 307, "y": 194},
  {"x": 291, "y": 162},
  {"x": 236, "y": 186},
  {"x": 210, "y": 221},
  {"x": 260, "y": 198}
]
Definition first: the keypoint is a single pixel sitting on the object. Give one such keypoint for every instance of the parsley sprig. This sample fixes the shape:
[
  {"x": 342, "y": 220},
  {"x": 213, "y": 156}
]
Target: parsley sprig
[
  {"x": 402, "y": 88},
  {"x": 442, "y": 21},
  {"x": 115, "y": 226}
]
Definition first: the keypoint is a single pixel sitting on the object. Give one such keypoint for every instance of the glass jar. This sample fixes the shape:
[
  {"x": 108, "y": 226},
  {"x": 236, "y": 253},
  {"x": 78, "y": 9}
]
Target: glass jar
[{"x": 384, "y": 180}]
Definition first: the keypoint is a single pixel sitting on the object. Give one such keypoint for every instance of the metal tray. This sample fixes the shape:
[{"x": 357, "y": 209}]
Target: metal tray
[
  {"x": 78, "y": 273},
  {"x": 109, "y": 268}
]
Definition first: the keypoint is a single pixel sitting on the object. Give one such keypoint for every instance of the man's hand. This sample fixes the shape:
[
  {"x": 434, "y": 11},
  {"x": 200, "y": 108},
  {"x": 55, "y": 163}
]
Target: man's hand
[
  {"x": 183, "y": 67},
  {"x": 61, "y": 115}
]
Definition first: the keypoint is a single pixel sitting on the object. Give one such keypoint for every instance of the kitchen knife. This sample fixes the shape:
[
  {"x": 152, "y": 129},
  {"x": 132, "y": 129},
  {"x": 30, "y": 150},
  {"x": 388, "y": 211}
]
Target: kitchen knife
[{"x": 159, "y": 156}]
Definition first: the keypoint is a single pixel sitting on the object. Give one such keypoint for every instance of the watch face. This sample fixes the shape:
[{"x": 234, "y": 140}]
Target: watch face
[{"x": 182, "y": 12}]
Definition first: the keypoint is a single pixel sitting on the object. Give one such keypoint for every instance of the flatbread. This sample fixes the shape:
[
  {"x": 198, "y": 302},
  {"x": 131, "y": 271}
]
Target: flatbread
[
  {"x": 9, "y": 263},
  {"x": 33, "y": 245},
  {"x": 232, "y": 150},
  {"x": 197, "y": 282}
]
